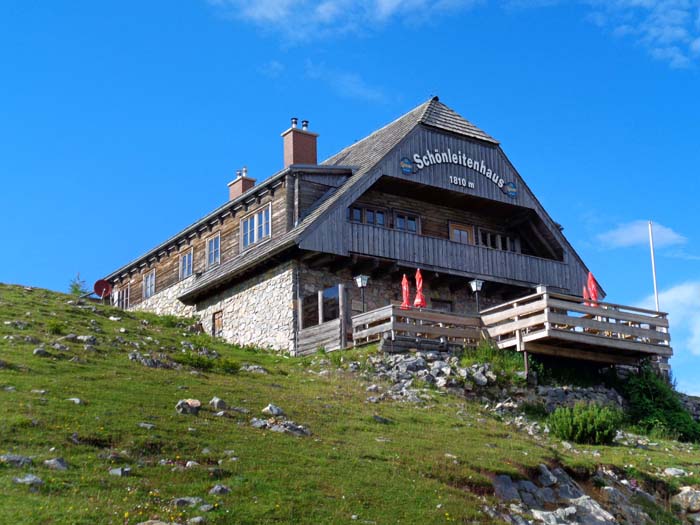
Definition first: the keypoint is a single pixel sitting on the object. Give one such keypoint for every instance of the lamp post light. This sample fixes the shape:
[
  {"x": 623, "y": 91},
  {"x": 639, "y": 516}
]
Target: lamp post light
[
  {"x": 361, "y": 282},
  {"x": 476, "y": 286}
]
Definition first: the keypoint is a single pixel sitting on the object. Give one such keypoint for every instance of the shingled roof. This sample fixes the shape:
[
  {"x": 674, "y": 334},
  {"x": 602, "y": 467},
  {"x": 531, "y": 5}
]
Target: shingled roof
[{"x": 362, "y": 156}]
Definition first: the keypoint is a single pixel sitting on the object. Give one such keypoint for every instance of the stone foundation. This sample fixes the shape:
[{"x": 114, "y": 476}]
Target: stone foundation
[
  {"x": 257, "y": 312},
  {"x": 166, "y": 301}
]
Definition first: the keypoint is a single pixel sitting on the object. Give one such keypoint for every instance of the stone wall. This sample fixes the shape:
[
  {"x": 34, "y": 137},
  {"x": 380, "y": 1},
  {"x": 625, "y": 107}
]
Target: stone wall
[
  {"x": 166, "y": 301},
  {"x": 258, "y": 311}
]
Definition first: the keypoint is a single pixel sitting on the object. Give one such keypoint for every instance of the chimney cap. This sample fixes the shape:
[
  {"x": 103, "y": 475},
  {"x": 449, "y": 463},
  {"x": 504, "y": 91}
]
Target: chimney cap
[{"x": 294, "y": 122}]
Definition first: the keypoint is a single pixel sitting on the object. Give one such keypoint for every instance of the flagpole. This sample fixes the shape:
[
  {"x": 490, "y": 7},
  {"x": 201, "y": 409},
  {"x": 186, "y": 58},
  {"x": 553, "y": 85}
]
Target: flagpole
[{"x": 653, "y": 265}]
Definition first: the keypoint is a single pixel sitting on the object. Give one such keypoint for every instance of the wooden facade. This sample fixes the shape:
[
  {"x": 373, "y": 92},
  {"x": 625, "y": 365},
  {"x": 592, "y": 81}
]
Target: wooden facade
[{"x": 429, "y": 191}]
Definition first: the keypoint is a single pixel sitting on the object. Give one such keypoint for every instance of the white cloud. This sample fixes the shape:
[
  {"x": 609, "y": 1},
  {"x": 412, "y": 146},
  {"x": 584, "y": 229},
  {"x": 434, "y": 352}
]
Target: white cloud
[
  {"x": 636, "y": 233},
  {"x": 682, "y": 302},
  {"x": 300, "y": 20},
  {"x": 344, "y": 83}
]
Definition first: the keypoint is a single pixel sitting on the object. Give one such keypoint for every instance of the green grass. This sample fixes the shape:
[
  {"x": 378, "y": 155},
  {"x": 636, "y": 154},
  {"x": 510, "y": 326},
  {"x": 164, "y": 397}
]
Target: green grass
[{"x": 351, "y": 465}]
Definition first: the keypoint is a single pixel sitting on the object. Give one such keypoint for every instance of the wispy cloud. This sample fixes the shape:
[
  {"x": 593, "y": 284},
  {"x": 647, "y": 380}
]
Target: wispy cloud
[
  {"x": 272, "y": 69},
  {"x": 636, "y": 233},
  {"x": 302, "y": 20},
  {"x": 682, "y": 302},
  {"x": 344, "y": 83}
]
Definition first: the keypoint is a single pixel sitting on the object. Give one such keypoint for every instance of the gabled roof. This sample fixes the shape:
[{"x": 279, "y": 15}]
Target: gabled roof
[{"x": 362, "y": 156}]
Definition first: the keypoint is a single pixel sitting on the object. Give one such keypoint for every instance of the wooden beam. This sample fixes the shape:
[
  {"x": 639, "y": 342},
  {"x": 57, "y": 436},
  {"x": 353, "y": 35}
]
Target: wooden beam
[{"x": 585, "y": 355}]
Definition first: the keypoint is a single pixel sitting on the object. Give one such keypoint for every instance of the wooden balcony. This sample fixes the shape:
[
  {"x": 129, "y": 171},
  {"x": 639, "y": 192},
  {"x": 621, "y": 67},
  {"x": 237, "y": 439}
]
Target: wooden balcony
[
  {"x": 475, "y": 261},
  {"x": 565, "y": 326},
  {"x": 414, "y": 326}
]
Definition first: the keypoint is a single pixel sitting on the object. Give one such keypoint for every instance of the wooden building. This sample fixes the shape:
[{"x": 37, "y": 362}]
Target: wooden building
[{"x": 274, "y": 266}]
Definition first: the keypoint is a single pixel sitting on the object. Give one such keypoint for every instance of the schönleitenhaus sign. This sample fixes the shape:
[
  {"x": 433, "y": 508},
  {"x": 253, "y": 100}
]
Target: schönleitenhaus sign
[{"x": 432, "y": 158}]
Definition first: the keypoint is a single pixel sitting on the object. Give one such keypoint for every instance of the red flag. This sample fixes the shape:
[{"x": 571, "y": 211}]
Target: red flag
[
  {"x": 406, "y": 293},
  {"x": 420, "y": 299},
  {"x": 593, "y": 289},
  {"x": 586, "y": 296}
]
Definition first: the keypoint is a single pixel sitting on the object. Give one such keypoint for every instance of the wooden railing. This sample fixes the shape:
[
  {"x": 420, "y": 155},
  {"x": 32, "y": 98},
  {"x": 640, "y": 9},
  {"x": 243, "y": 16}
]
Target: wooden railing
[
  {"x": 569, "y": 318},
  {"x": 419, "y": 323},
  {"x": 327, "y": 336}
]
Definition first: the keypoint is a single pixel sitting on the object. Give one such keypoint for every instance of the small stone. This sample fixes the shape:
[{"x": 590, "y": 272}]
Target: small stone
[
  {"x": 675, "y": 472},
  {"x": 147, "y": 426},
  {"x": 122, "y": 330},
  {"x": 87, "y": 339},
  {"x": 219, "y": 490},
  {"x": 258, "y": 423},
  {"x": 120, "y": 471},
  {"x": 10, "y": 388},
  {"x": 382, "y": 420},
  {"x": 196, "y": 520},
  {"x": 217, "y": 403},
  {"x": 40, "y": 352},
  {"x": 30, "y": 479},
  {"x": 114, "y": 318},
  {"x": 187, "y": 502},
  {"x": 188, "y": 406},
  {"x": 191, "y": 464},
  {"x": 56, "y": 464},
  {"x": 480, "y": 379},
  {"x": 76, "y": 400},
  {"x": 272, "y": 410},
  {"x": 41, "y": 392},
  {"x": 373, "y": 388},
  {"x": 15, "y": 460},
  {"x": 206, "y": 508}
]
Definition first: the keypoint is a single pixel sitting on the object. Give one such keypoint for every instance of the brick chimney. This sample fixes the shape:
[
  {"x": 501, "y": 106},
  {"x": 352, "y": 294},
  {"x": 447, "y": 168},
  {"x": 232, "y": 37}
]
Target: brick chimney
[
  {"x": 240, "y": 184},
  {"x": 299, "y": 144}
]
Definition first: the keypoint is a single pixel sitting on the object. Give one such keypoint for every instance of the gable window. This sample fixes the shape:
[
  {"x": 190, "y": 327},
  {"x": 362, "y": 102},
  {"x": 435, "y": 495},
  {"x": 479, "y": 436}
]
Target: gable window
[
  {"x": 213, "y": 250},
  {"x": 149, "y": 284},
  {"x": 406, "y": 222},
  {"x": 461, "y": 233},
  {"x": 256, "y": 227},
  {"x": 374, "y": 216},
  {"x": 355, "y": 214},
  {"x": 186, "y": 264}
]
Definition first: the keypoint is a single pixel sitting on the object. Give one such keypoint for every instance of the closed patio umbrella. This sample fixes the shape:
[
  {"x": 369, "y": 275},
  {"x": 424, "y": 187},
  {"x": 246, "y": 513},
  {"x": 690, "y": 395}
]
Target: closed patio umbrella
[
  {"x": 419, "y": 302},
  {"x": 593, "y": 289},
  {"x": 405, "y": 293}
]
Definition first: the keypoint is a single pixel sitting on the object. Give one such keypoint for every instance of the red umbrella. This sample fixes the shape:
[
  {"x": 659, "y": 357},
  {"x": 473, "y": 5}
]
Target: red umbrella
[
  {"x": 420, "y": 298},
  {"x": 406, "y": 293},
  {"x": 586, "y": 296},
  {"x": 593, "y": 289}
]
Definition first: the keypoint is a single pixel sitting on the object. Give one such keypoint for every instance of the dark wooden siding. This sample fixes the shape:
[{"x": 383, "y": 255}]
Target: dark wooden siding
[{"x": 167, "y": 265}]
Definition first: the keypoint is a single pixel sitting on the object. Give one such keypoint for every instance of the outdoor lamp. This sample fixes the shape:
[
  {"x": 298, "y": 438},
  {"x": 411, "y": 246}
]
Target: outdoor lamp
[
  {"x": 476, "y": 286},
  {"x": 361, "y": 282}
]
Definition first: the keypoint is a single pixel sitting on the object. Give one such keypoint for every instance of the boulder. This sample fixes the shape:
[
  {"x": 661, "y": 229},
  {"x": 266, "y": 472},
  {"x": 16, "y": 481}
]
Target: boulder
[
  {"x": 688, "y": 499},
  {"x": 217, "y": 403},
  {"x": 15, "y": 460},
  {"x": 505, "y": 489},
  {"x": 30, "y": 479},
  {"x": 40, "y": 352},
  {"x": 190, "y": 501},
  {"x": 219, "y": 490},
  {"x": 675, "y": 472}
]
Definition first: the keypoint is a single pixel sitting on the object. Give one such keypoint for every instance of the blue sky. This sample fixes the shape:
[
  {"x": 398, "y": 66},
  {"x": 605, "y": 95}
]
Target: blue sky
[{"x": 121, "y": 123}]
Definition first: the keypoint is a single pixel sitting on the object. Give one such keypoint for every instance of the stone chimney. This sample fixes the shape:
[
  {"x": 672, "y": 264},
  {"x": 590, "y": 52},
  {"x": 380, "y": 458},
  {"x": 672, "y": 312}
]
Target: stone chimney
[
  {"x": 299, "y": 144},
  {"x": 240, "y": 184}
]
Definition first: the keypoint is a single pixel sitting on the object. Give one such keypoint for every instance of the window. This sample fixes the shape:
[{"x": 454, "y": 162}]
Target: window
[
  {"x": 121, "y": 298},
  {"x": 213, "y": 250},
  {"x": 461, "y": 233},
  {"x": 217, "y": 324},
  {"x": 149, "y": 284},
  {"x": 256, "y": 227},
  {"x": 441, "y": 305},
  {"x": 367, "y": 215},
  {"x": 186, "y": 264},
  {"x": 406, "y": 222}
]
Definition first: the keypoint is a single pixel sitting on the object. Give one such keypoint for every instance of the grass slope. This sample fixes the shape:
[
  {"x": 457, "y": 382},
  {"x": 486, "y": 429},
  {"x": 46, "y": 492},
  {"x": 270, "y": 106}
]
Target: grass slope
[{"x": 352, "y": 465}]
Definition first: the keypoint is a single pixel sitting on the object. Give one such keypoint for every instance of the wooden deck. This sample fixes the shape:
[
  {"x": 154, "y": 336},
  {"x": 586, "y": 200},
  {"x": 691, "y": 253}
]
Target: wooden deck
[
  {"x": 565, "y": 326},
  {"x": 392, "y": 323}
]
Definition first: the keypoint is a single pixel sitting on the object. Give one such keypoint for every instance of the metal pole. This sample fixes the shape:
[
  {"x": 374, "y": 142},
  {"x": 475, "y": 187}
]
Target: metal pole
[
  {"x": 362, "y": 292},
  {"x": 653, "y": 265},
  {"x": 477, "y": 302}
]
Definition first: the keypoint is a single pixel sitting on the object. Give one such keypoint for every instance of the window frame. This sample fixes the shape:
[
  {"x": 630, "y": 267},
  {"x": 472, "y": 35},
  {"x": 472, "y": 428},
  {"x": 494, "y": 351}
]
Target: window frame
[
  {"x": 209, "y": 264},
  {"x": 182, "y": 255},
  {"x": 149, "y": 289},
  {"x": 120, "y": 299},
  {"x": 244, "y": 231},
  {"x": 406, "y": 215},
  {"x": 470, "y": 229}
]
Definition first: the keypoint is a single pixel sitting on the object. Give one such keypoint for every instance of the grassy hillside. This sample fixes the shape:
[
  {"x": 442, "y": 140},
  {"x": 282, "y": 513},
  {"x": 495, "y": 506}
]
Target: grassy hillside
[{"x": 431, "y": 463}]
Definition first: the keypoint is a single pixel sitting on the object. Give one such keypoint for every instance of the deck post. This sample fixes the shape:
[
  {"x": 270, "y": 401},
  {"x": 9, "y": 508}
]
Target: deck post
[
  {"x": 527, "y": 365},
  {"x": 320, "y": 307},
  {"x": 342, "y": 313}
]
